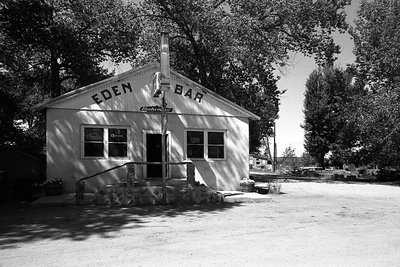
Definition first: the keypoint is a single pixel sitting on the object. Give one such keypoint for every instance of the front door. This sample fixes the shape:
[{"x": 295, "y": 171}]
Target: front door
[{"x": 153, "y": 154}]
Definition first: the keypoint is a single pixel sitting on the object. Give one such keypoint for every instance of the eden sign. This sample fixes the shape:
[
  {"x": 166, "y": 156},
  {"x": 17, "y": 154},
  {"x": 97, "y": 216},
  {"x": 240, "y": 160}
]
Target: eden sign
[
  {"x": 115, "y": 90},
  {"x": 125, "y": 88}
]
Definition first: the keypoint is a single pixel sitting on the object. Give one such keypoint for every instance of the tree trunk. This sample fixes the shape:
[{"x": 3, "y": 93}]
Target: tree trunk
[
  {"x": 322, "y": 161},
  {"x": 55, "y": 89},
  {"x": 268, "y": 148}
]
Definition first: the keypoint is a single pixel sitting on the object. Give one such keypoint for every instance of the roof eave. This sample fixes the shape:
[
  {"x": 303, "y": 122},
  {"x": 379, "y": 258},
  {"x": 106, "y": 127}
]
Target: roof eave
[
  {"x": 50, "y": 102},
  {"x": 249, "y": 114},
  {"x": 72, "y": 93}
]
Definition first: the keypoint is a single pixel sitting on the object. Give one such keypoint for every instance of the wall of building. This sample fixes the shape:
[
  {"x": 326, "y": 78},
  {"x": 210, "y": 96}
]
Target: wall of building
[{"x": 64, "y": 146}]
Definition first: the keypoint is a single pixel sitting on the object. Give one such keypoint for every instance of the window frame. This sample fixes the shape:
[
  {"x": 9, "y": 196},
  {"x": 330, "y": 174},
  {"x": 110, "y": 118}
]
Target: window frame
[
  {"x": 216, "y": 145},
  {"x": 186, "y": 144},
  {"x": 84, "y": 142},
  {"x": 105, "y": 141},
  {"x": 206, "y": 144}
]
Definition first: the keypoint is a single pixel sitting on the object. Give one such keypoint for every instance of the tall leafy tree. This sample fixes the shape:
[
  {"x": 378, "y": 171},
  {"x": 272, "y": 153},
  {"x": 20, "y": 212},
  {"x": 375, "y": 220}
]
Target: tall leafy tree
[
  {"x": 379, "y": 127},
  {"x": 49, "y": 47},
  {"x": 376, "y": 37},
  {"x": 233, "y": 46},
  {"x": 325, "y": 113}
]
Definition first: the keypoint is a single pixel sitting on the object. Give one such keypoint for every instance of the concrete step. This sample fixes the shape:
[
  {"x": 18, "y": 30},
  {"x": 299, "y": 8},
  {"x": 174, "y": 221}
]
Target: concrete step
[{"x": 244, "y": 197}]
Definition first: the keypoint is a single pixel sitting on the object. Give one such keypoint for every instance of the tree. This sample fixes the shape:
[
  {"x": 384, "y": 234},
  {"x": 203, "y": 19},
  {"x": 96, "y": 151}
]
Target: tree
[
  {"x": 8, "y": 131},
  {"x": 325, "y": 113},
  {"x": 289, "y": 159},
  {"x": 307, "y": 160},
  {"x": 50, "y": 47},
  {"x": 379, "y": 127},
  {"x": 376, "y": 36},
  {"x": 233, "y": 47}
]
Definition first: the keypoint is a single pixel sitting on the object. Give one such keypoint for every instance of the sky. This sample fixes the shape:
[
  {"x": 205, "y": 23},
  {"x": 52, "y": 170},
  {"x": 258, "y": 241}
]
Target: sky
[{"x": 293, "y": 79}]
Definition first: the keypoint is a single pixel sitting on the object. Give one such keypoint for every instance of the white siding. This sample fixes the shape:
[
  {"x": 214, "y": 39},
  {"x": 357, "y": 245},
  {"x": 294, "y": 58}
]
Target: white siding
[
  {"x": 64, "y": 158},
  {"x": 67, "y": 114}
]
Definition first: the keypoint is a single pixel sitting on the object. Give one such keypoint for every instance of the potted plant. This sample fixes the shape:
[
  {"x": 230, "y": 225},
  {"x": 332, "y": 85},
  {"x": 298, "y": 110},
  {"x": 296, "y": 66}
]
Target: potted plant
[
  {"x": 247, "y": 185},
  {"x": 53, "y": 187}
]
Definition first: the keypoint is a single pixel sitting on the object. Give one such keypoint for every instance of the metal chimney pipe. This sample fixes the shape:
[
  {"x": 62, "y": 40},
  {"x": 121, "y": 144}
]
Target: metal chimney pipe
[{"x": 164, "y": 62}]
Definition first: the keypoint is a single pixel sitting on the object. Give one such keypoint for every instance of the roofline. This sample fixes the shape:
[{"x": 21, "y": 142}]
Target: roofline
[
  {"x": 72, "y": 93},
  {"x": 226, "y": 101}
]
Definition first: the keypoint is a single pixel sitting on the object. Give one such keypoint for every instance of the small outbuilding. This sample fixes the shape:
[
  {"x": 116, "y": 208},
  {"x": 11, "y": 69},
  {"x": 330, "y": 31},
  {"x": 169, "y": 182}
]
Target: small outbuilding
[
  {"x": 19, "y": 170},
  {"x": 117, "y": 120},
  {"x": 260, "y": 162}
]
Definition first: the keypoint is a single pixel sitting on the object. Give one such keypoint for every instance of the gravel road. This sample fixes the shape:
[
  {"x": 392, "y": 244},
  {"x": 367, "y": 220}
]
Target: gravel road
[{"x": 310, "y": 224}]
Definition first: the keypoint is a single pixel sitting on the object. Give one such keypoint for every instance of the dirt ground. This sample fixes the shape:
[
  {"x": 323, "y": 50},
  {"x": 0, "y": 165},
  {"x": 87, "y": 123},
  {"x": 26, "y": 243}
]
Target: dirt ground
[{"x": 311, "y": 224}]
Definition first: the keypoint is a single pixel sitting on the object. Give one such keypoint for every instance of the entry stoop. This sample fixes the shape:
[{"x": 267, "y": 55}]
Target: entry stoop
[{"x": 244, "y": 197}]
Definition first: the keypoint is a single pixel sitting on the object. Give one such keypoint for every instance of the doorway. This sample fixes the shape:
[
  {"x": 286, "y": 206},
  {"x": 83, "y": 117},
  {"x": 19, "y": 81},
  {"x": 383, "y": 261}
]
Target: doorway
[{"x": 153, "y": 154}]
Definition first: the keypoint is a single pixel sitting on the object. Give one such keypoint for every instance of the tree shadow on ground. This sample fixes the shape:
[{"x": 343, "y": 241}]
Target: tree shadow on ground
[{"x": 24, "y": 224}]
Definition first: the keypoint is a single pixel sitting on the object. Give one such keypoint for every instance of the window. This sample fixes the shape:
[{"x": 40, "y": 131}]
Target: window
[
  {"x": 211, "y": 147},
  {"x": 94, "y": 142},
  {"x": 195, "y": 144},
  {"x": 105, "y": 142},
  {"x": 117, "y": 142},
  {"x": 216, "y": 149}
]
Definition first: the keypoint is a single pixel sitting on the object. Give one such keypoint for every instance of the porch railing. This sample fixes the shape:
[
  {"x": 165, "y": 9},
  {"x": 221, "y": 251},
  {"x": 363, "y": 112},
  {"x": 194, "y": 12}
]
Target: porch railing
[{"x": 130, "y": 175}]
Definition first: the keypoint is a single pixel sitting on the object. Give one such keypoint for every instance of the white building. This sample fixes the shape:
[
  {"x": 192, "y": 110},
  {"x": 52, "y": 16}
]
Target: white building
[
  {"x": 260, "y": 162},
  {"x": 102, "y": 125}
]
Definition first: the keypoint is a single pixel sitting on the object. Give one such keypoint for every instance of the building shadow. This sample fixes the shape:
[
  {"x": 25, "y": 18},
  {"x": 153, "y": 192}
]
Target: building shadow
[{"x": 25, "y": 224}]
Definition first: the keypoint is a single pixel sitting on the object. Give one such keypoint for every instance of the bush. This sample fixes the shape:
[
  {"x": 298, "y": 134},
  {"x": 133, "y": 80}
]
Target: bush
[
  {"x": 53, "y": 187},
  {"x": 275, "y": 188},
  {"x": 247, "y": 185},
  {"x": 385, "y": 175},
  {"x": 310, "y": 173}
]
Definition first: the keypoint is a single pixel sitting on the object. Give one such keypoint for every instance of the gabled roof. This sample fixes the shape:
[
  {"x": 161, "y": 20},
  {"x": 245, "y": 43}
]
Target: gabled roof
[
  {"x": 73, "y": 93},
  {"x": 82, "y": 90}
]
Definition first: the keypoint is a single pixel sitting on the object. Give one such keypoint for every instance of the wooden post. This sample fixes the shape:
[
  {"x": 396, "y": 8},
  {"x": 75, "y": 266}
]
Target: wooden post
[
  {"x": 165, "y": 86},
  {"x": 163, "y": 151},
  {"x": 190, "y": 173},
  {"x": 130, "y": 174},
  {"x": 80, "y": 192}
]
